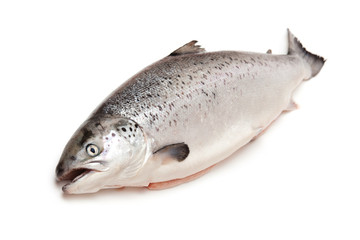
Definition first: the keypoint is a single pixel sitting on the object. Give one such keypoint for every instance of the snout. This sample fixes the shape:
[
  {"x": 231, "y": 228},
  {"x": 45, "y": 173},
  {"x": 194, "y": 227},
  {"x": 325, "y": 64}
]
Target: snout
[
  {"x": 60, "y": 171},
  {"x": 63, "y": 169}
]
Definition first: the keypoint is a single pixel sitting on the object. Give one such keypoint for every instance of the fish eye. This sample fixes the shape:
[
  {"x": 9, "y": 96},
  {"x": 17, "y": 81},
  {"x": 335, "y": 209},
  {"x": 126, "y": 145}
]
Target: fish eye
[{"x": 92, "y": 150}]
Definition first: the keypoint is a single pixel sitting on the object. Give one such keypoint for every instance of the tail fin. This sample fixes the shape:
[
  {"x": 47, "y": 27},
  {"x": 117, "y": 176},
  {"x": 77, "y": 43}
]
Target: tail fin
[{"x": 296, "y": 48}]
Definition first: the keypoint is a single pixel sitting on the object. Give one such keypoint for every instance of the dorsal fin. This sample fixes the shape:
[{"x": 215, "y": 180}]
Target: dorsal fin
[{"x": 188, "y": 48}]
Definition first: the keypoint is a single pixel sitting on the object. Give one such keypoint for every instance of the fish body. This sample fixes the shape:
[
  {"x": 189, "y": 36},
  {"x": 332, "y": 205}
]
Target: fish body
[{"x": 181, "y": 115}]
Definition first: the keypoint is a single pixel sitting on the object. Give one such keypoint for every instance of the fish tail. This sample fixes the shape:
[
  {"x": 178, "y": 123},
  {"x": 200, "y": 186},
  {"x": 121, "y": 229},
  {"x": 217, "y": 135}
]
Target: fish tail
[{"x": 314, "y": 62}]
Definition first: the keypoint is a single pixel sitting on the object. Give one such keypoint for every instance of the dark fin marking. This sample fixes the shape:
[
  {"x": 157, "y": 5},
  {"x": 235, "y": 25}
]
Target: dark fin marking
[
  {"x": 269, "y": 51},
  {"x": 177, "y": 151},
  {"x": 296, "y": 48},
  {"x": 188, "y": 48}
]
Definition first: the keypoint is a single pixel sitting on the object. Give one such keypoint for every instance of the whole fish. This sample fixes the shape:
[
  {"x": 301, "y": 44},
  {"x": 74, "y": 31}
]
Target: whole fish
[{"x": 174, "y": 120}]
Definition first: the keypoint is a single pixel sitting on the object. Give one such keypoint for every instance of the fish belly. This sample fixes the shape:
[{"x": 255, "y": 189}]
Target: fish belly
[{"x": 228, "y": 107}]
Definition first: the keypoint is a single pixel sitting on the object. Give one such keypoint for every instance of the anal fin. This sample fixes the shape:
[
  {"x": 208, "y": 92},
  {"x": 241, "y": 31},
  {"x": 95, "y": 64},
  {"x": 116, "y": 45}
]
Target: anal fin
[{"x": 291, "y": 107}]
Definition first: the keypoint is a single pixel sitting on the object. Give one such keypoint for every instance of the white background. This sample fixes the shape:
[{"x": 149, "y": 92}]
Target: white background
[{"x": 59, "y": 59}]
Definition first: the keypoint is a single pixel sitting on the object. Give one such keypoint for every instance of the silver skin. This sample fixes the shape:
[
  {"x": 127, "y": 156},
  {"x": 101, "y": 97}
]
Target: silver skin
[{"x": 213, "y": 102}]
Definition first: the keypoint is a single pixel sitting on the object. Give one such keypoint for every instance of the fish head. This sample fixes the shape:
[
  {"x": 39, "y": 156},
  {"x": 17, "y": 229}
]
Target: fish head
[{"x": 102, "y": 153}]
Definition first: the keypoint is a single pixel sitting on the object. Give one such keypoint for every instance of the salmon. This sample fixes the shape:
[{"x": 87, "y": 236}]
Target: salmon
[{"x": 176, "y": 118}]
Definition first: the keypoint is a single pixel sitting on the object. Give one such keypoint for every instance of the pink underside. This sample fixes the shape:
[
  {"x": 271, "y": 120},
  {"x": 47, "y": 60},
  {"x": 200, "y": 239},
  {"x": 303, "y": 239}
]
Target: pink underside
[{"x": 176, "y": 182}]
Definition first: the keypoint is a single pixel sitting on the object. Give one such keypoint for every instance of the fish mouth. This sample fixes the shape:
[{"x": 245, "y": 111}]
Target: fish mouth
[{"x": 74, "y": 174}]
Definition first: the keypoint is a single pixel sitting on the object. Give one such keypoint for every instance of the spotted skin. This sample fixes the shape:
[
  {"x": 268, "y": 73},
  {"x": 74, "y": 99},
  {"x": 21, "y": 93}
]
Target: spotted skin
[{"x": 165, "y": 96}]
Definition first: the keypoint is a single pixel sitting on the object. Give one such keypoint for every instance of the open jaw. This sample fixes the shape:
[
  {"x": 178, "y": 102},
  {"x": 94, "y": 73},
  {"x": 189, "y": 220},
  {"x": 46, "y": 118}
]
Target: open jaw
[{"x": 74, "y": 175}]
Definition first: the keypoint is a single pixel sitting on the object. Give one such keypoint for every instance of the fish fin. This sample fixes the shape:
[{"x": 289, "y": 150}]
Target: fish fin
[
  {"x": 292, "y": 106},
  {"x": 177, "y": 151},
  {"x": 188, "y": 48},
  {"x": 269, "y": 51},
  {"x": 315, "y": 62}
]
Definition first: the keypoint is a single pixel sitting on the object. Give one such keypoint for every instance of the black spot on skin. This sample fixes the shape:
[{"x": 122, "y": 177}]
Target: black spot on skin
[
  {"x": 110, "y": 111},
  {"x": 136, "y": 126},
  {"x": 86, "y": 135},
  {"x": 123, "y": 129},
  {"x": 204, "y": 92},
  {"x": 98, "y": 125},
  {"x": 113, "y": 134},
  {"x": 129, "y": 136},
  {"x": 130, "y": 128}
]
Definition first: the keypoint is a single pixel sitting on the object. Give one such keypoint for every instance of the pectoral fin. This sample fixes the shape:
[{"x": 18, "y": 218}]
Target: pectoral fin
[{"x": 177, "y": 151}]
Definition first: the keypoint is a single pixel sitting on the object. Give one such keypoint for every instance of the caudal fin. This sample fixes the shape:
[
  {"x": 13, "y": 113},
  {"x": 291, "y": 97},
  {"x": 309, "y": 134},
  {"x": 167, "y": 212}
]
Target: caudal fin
[{"x": 296, "y": 48}]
